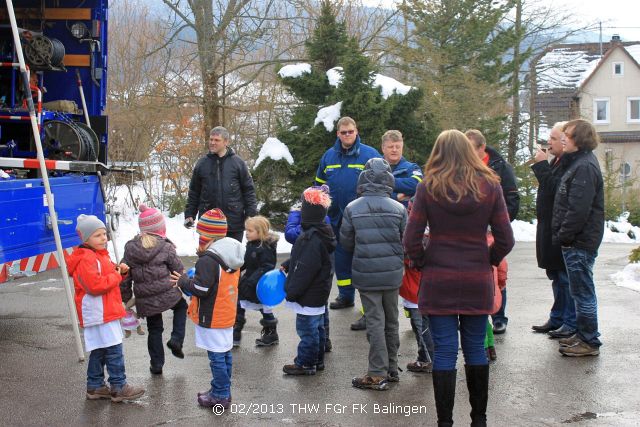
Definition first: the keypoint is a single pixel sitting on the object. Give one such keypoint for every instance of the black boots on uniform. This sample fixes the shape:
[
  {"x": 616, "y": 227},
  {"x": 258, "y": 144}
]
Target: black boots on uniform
[
  {"x": 237, "y": 330},
  {"x": 269, "y": 334}
]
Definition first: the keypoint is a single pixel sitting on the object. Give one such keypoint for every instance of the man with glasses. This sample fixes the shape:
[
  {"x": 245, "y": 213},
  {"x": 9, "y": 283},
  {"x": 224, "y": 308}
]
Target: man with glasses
[
  {"x": 562, "y": 317},
  {"x": 495, "y": 161},
  {"x": 578, "y": 227},
  {"x": 339, "y": 168}
]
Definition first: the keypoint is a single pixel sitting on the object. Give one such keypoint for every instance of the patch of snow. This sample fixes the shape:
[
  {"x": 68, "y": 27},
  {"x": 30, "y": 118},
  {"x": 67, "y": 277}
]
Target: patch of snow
[
  {"x": 33, "y": 283},
  {"x": 634, "y": 51},
  {"x": 335, "y": 76},
  {"x": 52, "y": 289},
  {"x": 328, "y": 116},
  {"x": 294, "y": 70},
  {"x": 564, "y": 68},
  {"x": 389, "y": 86},
  {"x": 526, "y": 232},
  {"x": 274, "y": 149},
  {"x": 629, "y": 277}
]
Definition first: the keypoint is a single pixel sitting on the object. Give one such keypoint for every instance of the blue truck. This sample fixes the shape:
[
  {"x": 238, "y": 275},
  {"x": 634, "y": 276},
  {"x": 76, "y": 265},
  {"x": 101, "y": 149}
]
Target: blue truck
[{"x": 65, "y": 49}]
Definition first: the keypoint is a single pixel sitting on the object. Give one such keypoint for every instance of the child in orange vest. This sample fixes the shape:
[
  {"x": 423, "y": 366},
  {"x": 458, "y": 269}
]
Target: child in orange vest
[{"x": 214, "y": 298}]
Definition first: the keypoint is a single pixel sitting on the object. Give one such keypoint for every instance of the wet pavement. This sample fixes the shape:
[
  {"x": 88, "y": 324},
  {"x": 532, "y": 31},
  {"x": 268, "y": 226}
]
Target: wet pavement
[{"x": 42, "y": 383}]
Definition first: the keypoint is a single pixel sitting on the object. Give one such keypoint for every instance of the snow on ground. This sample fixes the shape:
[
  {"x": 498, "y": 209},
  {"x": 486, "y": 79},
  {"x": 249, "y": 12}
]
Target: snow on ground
[
  {"x": 629, "y": 277},
  {"x": 186, "y": 240},
  {"x": 294, "y": 70},
  {"x": 328, "y": 116},
  {"x": 274, "y": 149}
]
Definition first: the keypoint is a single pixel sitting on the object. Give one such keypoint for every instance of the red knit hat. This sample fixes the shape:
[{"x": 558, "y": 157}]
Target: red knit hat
[
  {"x": 211, "y": 225},
  {"x": 151, "y": 221}
]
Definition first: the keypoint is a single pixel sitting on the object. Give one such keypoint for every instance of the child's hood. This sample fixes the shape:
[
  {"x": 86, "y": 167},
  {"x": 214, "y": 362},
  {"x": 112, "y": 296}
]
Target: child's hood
[
  {"x": 137, "y": 253},
  {"x": 82, "y": 253},
  {"x": 230, "y": 251}
]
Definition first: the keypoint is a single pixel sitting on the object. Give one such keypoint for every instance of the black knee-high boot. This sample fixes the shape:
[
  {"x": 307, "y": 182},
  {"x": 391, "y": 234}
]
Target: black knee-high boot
[
  {"x": 478, "y": 386},
  {"x": 444, "y": 390}
]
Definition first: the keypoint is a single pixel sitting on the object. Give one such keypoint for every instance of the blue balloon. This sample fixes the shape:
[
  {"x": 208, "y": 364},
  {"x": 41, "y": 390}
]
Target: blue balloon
[
  {"x": 270, "y": 289},
  {"x": 190, "y": 273}
]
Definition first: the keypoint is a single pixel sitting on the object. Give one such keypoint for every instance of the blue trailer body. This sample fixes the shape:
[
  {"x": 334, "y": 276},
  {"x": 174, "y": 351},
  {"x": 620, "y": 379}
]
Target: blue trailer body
[
  {"x": 24, "y": 216},
  {"x": 78, "y": 30}
]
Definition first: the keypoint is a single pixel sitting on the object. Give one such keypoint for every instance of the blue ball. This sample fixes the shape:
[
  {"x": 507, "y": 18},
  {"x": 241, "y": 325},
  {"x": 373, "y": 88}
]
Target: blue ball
[
  {"x": 270, "y": 289},
  {"x": 190, "y": 273}
]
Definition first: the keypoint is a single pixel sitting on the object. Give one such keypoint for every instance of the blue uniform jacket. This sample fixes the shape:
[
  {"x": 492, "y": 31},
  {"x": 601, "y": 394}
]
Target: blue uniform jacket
[
  {"x": 339, "y": 169},
  {"x": 407, "y": 176}
]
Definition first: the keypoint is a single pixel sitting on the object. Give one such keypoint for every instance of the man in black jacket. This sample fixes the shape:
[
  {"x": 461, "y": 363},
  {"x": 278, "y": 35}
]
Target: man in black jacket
[
  {"x": 562, "y": 318},
  {"x": 221, "y": 179},
  {"x": 495, "y": 161},
  {"x": 578, "y": 227}
]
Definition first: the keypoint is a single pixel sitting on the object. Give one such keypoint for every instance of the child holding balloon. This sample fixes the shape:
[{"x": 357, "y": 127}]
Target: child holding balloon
[
  {"x": 260, "y": 257},
  {"x": 308, "y": 284},
  {"x": 214, "y": 290}
]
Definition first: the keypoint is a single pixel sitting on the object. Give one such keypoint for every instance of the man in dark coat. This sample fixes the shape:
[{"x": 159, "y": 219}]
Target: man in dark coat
[
  {"x": 562, "y": 318},
  {"x": 221, "y": 179},
  {"x": 578, "y": 227},
  {"x": 495, "y": 161}
]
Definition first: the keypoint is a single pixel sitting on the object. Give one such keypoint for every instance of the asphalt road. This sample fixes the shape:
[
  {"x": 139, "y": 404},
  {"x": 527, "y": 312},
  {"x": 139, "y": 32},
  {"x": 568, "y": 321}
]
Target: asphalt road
[{"x": 42, "y": 383}]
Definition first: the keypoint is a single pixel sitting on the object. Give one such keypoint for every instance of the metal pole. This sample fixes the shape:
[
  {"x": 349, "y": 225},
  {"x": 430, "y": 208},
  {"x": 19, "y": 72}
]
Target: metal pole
[
  {"x": 45, "y": 180},
  {"x": 84, "y": 103}
]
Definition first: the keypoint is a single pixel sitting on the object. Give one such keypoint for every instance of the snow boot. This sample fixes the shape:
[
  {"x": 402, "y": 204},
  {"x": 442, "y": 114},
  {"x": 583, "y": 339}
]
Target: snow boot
[
  {"x": 444, "y": 390},
  {"x": 269, "y": 334},
  {"x": 478, "y": 386}
]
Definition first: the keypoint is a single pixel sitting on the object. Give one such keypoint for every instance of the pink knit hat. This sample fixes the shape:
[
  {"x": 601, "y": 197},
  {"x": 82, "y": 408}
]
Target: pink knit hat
[{"x": 151, "y": 221}]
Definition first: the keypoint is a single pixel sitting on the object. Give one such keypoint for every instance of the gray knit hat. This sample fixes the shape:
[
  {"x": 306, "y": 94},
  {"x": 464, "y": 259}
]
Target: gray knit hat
[{"x": 87, "y": 225}]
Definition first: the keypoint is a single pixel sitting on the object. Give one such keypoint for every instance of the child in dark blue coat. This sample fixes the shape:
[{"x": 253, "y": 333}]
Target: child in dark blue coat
[{"x": 309, "y": 276}]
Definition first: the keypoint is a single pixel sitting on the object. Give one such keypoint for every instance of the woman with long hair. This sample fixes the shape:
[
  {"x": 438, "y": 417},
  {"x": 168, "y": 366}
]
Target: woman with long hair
[{"x": 459, "y": 199}]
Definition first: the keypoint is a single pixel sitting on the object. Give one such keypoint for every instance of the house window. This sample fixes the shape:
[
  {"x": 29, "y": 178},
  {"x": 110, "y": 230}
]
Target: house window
[
  {"x": 633, "y": 109},
  {"x": 601, "y": 110},
  {"x": 618, "y": 68}
]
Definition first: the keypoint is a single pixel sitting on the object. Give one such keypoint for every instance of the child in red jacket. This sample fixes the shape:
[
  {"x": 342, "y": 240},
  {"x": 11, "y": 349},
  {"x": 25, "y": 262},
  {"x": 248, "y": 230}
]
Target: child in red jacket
[
  {"x": 419, "y": 323},
  {"x": 96, "y": 281}
]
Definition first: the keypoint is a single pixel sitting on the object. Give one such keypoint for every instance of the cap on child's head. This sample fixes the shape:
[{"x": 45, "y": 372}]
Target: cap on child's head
[
  {"x": 151, "y": 221},
  {"x": 87, "y": 225},
  {"x": 376, "y": 171},
  {"x": 211, "y": 225},
  {"x": 315, "y": 203}
]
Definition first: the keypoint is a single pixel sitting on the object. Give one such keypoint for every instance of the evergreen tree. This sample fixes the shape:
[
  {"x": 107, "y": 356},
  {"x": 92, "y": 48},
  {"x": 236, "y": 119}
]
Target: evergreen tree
[
  {"x": 329, "y": 47},
  {"x": 457, "y": 54}
]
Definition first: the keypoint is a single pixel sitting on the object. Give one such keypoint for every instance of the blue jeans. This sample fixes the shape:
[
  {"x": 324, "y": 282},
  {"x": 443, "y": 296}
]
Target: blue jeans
[
  {"x": 563, "y": 311},
  {"x": 220, "y": 364},
  {"x": 422, "y": 332},
  {"x": 310, "y": 329},
  {"x": 113, "y": 359},
  {"x": 579, "y": 264},
  {"x": 444, "y": 330},
  {"x": 499, "y": 316}
]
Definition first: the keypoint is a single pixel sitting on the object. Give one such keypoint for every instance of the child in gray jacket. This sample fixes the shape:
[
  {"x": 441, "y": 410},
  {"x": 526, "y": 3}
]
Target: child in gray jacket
[{"x": 372, "y": 229}]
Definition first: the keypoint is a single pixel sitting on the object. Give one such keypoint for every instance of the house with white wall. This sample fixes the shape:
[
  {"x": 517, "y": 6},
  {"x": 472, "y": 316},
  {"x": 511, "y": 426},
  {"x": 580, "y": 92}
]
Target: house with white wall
[{"x": 599, "y": 83}]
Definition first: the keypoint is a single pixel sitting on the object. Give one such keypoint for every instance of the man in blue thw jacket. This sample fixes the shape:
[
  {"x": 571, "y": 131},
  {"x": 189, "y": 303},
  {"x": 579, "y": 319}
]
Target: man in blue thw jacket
[{"x": 339, "y": 168}]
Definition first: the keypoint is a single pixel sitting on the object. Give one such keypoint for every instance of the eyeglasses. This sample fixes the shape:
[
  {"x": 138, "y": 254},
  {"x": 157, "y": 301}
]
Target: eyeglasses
[{"x": 347, "y": 132}]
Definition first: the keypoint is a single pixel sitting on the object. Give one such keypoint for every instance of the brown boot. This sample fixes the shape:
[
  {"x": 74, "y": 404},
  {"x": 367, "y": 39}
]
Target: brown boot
[
  {"x": 103, "y": 392},
  {"x": 128, "y": 392}
]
